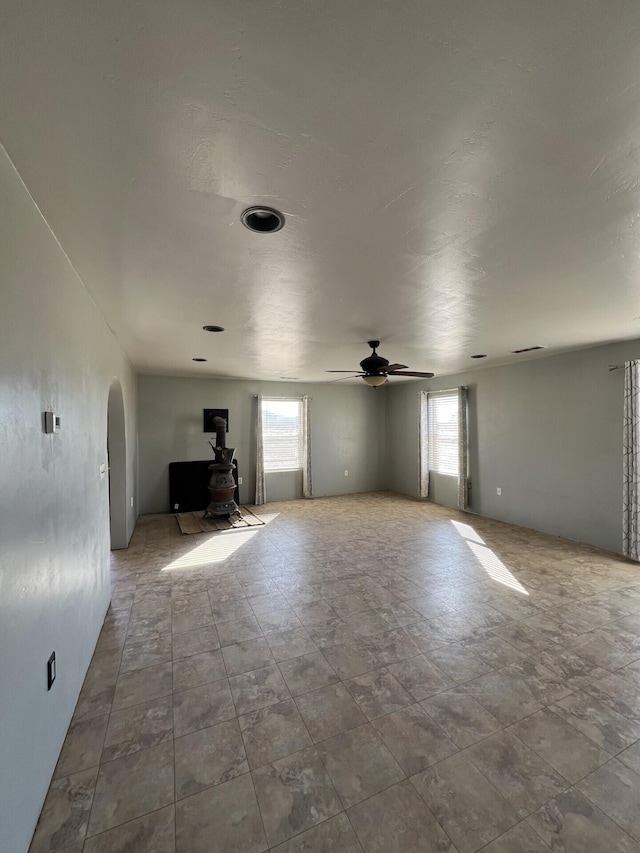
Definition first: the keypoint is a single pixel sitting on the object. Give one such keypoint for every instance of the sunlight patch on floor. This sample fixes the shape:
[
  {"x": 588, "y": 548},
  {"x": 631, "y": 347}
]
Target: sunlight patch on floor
[
  {"x": 487, "y": 558},
  {"x": 467, "y": 532},
  {"x": 495, "y": 568},
  {"x": 218, "y": 548}
]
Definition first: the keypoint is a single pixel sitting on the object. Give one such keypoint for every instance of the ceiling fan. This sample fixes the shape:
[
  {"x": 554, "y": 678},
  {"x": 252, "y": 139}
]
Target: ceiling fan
[{"x": 376, "y": 369}]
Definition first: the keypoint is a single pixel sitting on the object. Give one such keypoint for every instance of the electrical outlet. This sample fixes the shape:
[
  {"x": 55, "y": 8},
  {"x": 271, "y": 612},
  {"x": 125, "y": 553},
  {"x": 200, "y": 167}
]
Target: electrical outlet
[
  {"x": 51, "y": 670},
  {"x": 239, "y": 481},
  {"x": 132, "y": 502},
  {"x": 498, "y": 491},
  {"x": 346, "y": 473}
]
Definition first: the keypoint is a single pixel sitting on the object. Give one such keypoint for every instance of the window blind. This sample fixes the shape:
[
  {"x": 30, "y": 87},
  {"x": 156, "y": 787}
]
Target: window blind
[
  {"x": 442, "y": 414},
  {"x": 282, "y": 434}
]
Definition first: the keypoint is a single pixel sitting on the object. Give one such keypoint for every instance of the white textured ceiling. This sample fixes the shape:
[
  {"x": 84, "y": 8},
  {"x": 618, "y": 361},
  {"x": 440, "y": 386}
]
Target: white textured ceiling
[{"x": 458, "y": 176}]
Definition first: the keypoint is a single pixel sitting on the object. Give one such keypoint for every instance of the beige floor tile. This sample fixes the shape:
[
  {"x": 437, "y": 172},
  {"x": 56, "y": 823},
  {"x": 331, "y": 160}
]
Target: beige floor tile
[
  {"x": 461, "y": 717},
  {"x": 198, "y": 669},
  {"x": 378, "y": 693},
  {"x": 333, "y": 632},
  {"x": 306, "y": 673},
  {"x": 518, "y": 773},
  {"x": 494, "y": 651},
  {"x": 402, "y": 596},
  {"x": 208, "y": 757},
  {"x": 137, "y": 728},
  {"x": 290, "y": 644},
  {"x": 65, "y": 814},
  {"x": 229, "y": 610},
  {"x": 459, "y": 663},
  {"x": 398, "y": 821},
  {"x": 142, "y": 685},
  {"x": 600, "y": 723},
  {"x": 223, "y": 819},
  {"x": 189, "y": 620},
  {"x": 282, "y": 619},
  {"x": 273, "y": 732},
  {"x": 151, "y": 833},
  {"x": 347, "y": 604},
  {"x": 464, "y": 802},
  {"x": 615, "y": 789},
  {"x": 420, "y": 677},
  {"x": 619, "y": 693},
  {"x": 392, "y": 646},
  {"x": 503, "y": 696},
  {"x": 520, "y": 839},
  {"x": 247, "y": 656},
  {"x": 201, "y": 707},
  {"x": 195, "y": 642},
  {"x": 140, "y": 655},
  {"x": 366, "y": 623},
  {"x": 351, "y": 659},
  {"x": 132, "y": 786},
  {"x": 414, "y": 739},
  {"x": 631, "y": 757},
  {"x": 258, "y": 689},
  {"x": 82, "y": 746},
  {"x": 329, "y": 711},
  {"x": 572, "y": 824},
  {"x": 294, "y": 794},
  {"x": 332, "y": 836},
  {"x": 561, "y": 745},
  {"x": 359, "y": 764}
]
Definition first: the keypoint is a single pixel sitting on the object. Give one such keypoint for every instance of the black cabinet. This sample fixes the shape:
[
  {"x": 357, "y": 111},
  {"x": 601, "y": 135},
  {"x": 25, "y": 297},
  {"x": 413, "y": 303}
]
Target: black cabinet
[{"x": 188, "y": 482}]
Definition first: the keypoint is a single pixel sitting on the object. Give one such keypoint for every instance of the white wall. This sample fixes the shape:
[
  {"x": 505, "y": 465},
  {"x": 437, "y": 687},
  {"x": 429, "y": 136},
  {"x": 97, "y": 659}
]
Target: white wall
[
  {"x": 56, "y": 353},
  {"x": 348, "y": 431},
  {"x": 548, "y": 432}
]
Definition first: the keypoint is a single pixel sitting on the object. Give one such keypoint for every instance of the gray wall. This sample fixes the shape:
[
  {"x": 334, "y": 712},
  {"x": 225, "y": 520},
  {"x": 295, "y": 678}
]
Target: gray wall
[
  {"x": 548, "y": 432},
  {"x": 348, "y": 431},
  {"x": 56, "y": 353}
]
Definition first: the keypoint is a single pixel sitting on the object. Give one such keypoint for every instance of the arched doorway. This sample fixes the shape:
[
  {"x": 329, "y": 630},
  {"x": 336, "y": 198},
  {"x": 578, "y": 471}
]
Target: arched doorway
[{"x": 117, "y": 467}]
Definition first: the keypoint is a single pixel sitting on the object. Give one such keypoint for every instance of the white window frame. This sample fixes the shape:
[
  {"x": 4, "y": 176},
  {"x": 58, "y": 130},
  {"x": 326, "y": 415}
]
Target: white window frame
[
  {"x": 266, "y": 436},
  {"x": 435, "y": 436}
]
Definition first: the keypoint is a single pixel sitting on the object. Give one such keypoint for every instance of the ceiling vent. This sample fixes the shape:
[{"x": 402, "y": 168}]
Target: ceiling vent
[{"x": 525, "y": 349}]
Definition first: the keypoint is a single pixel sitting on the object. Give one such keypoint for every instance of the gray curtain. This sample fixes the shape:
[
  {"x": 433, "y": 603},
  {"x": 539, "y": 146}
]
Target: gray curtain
[
  {"x": 261, "y": 495},
  {"x": 424, "y": 444},
  {"x": 631, "y": 461},
  {"x": 307, "y": 481},
  {"x": 463, "y": 445}
]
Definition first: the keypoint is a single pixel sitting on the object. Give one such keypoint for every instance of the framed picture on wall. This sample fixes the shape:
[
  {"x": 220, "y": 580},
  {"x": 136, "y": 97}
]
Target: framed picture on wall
[{"x": 210, "y": 414}]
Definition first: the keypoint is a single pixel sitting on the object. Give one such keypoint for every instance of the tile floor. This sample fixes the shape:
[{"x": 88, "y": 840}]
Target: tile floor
[{"x": 363, "y": 673}]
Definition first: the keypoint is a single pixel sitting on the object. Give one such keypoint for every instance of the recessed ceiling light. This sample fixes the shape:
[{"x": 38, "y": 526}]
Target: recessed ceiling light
[
  {"x": 525, "y": 349},
  {"x": 198, "y": 359},
  {"x": 213, "y": 328},
  {"x": 264, "y": 220},
  {"x": 288, "y": 377},
  {"x": 481, "y": 355}
]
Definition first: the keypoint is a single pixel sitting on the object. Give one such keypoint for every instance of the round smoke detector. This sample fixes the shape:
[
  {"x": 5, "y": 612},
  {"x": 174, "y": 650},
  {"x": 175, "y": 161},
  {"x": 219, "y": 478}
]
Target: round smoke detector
[{"x": 264, "y": 220}]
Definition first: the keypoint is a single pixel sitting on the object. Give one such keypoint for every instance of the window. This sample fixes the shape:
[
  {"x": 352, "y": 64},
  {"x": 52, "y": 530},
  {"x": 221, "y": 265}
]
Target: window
[
  {"x": 282, "y": 434},
  {"x": 442, "y": 418}
]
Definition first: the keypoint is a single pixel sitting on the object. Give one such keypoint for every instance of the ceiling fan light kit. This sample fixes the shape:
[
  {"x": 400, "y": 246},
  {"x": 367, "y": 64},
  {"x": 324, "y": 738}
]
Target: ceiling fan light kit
[{"x": 375, "y": 380}]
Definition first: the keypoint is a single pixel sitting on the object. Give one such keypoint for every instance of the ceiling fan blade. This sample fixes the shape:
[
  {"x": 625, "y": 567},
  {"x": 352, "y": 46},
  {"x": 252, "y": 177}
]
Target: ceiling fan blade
[
  {"x": 339, "y": 371},
  {"x": 342, "y": 378},
  {"x": 410, "y": 373},
  {"x": 391, "y": 367}
]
